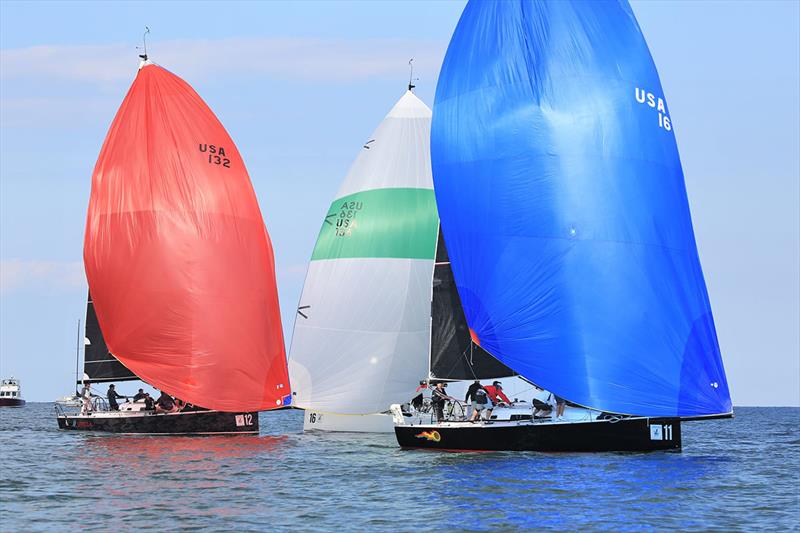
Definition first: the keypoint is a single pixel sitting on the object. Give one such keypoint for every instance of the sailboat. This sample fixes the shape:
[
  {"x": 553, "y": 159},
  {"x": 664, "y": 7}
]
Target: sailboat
[
  {"x": 564, "y": 210},
  {"x": 180, "y": 269},
  {"x": 361, "y": 333}
]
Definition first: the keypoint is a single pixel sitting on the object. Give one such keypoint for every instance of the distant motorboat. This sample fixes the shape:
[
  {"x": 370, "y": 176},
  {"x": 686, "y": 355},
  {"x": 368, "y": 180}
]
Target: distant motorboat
[{"x": 11, "y": 394}]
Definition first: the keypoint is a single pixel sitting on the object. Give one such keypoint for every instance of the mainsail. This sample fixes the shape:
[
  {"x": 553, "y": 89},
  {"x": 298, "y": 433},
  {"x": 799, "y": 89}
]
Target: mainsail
[
  {"x": 453, "y": 354},
  {"x": 564, "y": 209},
  {"x": 178, "y": 260},
  {"x": 98, "y": 363},
  {"x": 361, "y": 333}
]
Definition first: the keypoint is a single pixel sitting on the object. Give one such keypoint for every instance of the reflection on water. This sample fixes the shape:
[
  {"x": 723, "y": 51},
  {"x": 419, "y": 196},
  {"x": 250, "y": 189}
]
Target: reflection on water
[
  {"x": 152, "y": 475},
  {"x": 135, "y": 451},
  {"x": 631, "y": 490},
  {"x": 732, "y": 474}
]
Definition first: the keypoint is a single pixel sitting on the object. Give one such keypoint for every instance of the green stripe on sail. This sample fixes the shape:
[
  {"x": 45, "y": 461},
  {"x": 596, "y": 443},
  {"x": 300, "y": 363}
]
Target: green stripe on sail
[{"x": 396, "y": 223}]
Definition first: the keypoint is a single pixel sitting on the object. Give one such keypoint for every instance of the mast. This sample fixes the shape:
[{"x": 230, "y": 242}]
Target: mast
[
  {"x": 143, "y": 56},
  {"x": 430, "y": 329},
  {"x": 78, "y": 353},
  {"x": 411, "y": 78}
]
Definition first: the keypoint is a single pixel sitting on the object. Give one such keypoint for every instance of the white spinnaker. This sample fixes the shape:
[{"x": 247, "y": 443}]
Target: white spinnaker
[
  {"x": 362, "y": 341},
  {"x": 365, "y": 343},
  {"x": 399, "y": 153}
]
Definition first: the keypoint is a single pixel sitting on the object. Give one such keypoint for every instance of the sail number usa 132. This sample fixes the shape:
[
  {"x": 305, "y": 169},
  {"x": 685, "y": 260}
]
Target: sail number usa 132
[{"x": 216, "y": 154}]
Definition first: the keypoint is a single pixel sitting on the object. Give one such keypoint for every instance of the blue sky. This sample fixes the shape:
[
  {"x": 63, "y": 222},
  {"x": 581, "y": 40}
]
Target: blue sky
[{"x": 299, "y": 86}]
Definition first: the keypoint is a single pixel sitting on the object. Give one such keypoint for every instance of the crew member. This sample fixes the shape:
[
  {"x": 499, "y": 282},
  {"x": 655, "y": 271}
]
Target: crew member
[
  {"x": 480, "y": 400},
  {"x": 86, "y": 399},
  {"x": 496, "y": 396},
  {"x": 471, "y": 390},
  {"x": 438, "y": 397},
  {"x": 165, "y": 403},
  {"x": 149, "y": 403},
  {"x": 139, "y": 395},
  {"x": 179, "y": 404},
  {"x": 495, "y": 391},
  {"x": 112, "y": 398},
  {"x": 561, "y": 404}
]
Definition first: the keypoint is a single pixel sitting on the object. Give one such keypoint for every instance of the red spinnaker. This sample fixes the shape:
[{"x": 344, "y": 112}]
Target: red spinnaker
[{"x": 179, "y": 262}]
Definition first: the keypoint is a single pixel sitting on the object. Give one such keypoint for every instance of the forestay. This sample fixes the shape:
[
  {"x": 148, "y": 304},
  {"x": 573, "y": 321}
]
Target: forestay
[
  {"x": 361, "y": 335},
  {"x": 564, "y": 209}
]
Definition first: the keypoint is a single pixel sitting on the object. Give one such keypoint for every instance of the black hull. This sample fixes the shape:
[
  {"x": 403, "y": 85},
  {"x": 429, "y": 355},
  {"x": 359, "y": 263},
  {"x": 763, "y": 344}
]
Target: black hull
[
  {"x": 626, "y": 435},
  {"x": 11, "y": 402},
  {"x": 189, "y": 423}
]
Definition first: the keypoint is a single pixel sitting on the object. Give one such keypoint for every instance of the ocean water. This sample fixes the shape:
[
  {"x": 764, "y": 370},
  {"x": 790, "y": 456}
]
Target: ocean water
[{"x": 732, "y": 475}]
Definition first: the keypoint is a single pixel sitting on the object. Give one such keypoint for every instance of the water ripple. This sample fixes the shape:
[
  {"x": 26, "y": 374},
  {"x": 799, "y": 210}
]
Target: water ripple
[{"x": 733, "y": 475}]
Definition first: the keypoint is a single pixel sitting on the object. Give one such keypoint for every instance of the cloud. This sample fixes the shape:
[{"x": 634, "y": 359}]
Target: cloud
[
  {"x": 305, "y": 59},
  {"x": 69, "y": 86},
  {"x": 37, "y": 274},
  {"x": 55, "y": 111}
]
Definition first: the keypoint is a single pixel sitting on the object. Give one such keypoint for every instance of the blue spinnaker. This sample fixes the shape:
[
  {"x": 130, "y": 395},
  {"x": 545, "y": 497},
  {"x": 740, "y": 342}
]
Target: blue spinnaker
[{"x": 563, "y": 205}]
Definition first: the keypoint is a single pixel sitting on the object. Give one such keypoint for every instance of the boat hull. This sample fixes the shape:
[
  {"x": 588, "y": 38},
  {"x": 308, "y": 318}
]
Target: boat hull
[
  {"x": 631, "y": 434},
  {"x": 12, "y": 402},
  {"x": 334, "y": 422},
  {"x": 185, "y": 423}
]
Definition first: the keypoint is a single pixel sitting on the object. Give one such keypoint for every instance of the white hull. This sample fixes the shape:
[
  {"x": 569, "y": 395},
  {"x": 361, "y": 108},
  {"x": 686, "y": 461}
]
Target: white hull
[
  {"x": 516, "y": 389},
  {"x": 373, "y": 423},
  {"x": 382, "y": 422}
]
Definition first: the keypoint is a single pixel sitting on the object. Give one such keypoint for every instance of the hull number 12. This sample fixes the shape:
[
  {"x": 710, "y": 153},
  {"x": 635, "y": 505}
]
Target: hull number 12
[{"x": 244, "y": 420}]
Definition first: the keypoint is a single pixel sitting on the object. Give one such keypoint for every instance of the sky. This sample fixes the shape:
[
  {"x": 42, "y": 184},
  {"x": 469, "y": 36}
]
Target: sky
[{"x": 301, "y": 85}]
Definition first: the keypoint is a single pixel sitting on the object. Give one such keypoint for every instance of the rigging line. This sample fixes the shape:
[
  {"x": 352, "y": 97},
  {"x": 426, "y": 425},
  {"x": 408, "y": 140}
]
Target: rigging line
[
  {"x": 470, "y": 365},
  {"x": 455, "y": 363},
  {"x": 470, "y": 362},
  {"x": 525, "y": 390}
]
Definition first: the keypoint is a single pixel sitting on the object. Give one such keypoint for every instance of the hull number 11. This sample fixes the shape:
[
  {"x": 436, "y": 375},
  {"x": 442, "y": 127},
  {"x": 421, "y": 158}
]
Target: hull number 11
[{"x": 661, "y": 432}]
